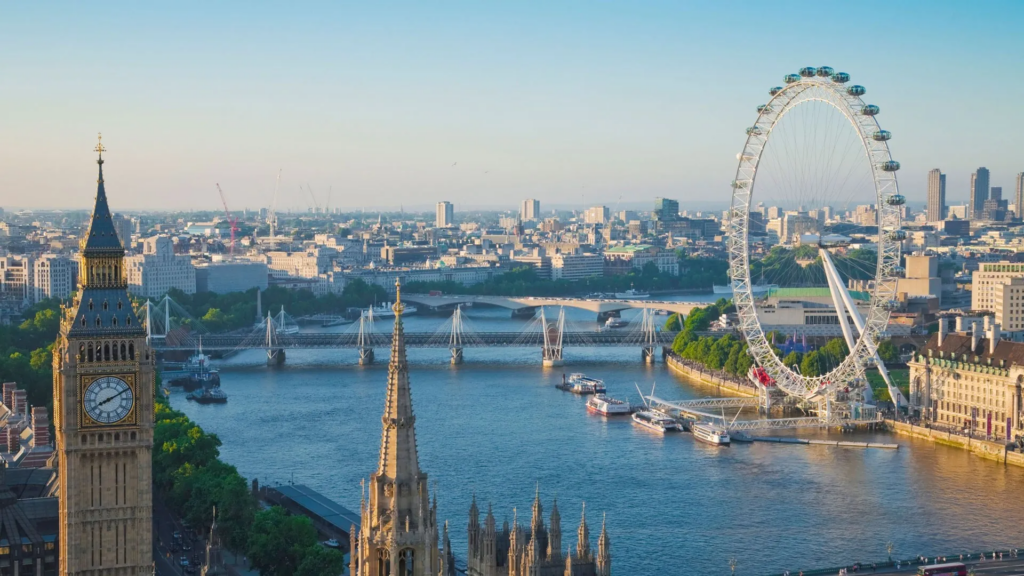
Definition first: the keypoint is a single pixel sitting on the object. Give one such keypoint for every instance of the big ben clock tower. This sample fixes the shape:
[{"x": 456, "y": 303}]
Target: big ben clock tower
[{"x": 103, "y": 414}]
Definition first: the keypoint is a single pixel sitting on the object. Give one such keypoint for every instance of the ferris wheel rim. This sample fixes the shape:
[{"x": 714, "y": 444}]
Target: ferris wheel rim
[{"x": 848, "y": 102}]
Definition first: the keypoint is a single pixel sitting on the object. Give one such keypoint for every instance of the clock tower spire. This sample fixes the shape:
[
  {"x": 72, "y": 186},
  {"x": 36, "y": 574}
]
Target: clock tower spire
[{"x": 103, "y": 393}]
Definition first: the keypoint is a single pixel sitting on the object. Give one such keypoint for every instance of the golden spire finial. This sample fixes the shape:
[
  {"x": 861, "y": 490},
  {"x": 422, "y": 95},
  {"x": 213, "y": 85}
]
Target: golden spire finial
[
  {"x": 398, "y": 307},
  {"x": 99, "y": 146}
]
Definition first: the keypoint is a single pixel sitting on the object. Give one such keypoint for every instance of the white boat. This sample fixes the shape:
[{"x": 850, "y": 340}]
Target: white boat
[
  {"x": 614, "y": 322},
  {"x": 631, "y": 294},
  {"x": 384, "y": 310},
  {"x": 711, "y": 434},
  {"x": 579, "y": 384},
  {"x": 606, "y": 406},
  {"x": 656, "y": 421},
  {"x": 756, "y": 289}
]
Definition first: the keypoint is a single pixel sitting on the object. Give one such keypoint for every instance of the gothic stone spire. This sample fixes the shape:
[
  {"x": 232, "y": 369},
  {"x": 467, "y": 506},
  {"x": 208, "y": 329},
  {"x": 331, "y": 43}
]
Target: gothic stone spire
[
  {"x": 102, "y": 237},
  {"x": 399, "y": 459},
  {"x": 583, "y": 537}
]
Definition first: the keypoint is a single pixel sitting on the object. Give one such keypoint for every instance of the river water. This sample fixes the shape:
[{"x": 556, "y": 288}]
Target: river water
[{"x": 496, "y": 427}]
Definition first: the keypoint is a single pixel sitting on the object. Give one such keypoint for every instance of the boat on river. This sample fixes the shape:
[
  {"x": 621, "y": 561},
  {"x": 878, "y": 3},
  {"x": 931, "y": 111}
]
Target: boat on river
[
  {"x": 631, "y": 294},
  {"x": 608, "y": 406},
  {"x": 384, "y": 310},
  {"x": 711, "y": 434},
  {"x": 614, "y": 322},
  {"x": 208, "y": 396},
  {"x": 578, "y": 383},
  {"x": 198, "y": 375},
  {"x": 656, "y": 421}
]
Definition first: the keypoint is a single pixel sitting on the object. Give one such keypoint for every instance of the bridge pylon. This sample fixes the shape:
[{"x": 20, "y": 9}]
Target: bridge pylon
[
  {"x": 649, "y": 336},
  {"x": 365, "y": 344},
  {"x": 275, "y": 353},
  {"x": 551, "y": 354},
  {"x": 455, "y": 342}
]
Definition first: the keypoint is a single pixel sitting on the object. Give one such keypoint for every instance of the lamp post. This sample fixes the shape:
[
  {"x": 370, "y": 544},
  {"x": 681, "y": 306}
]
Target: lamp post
[{"x": 889, "y": 547}]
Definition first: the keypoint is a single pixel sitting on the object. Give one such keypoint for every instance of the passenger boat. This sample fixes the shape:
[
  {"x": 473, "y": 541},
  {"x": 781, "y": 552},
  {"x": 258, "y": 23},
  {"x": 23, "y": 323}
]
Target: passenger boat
[
  {"x": 656, "y": 421},
  {"x": 614, "y": 322},
  {"x": 631, "y": 294},
  {"x": 580, "y": 384},
  {"x": 199, "y": 375},
  {"x": 711, "y": 434},
  {"x": 757, "y": 289},
  {"x": 384, "y": 310},
  {"x": 607, "y": 406},
  {"x": 208, "y": 396}
]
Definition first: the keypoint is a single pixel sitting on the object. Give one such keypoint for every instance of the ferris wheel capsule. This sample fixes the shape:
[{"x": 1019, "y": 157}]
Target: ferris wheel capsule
[
  {"x": 825, "y": 71},
  {"x": 840, "y": 77},
  {"x": 808, "y": 71},
  {"x": 897, "y": 235},
  {"x": 856, "y": 90},
  {"x": 740, "y": 184},
  {"x": 764, "y": 108},
  {"x": 896, "y": 200},
  {"x": 870, "y": 110},
  {"x": 754, "y": 131},
  {"x": 775, "y": 90},
  {"x": 891, "y": 305},
  {"x": 790, "y": 78},
  {"x": 899, "y": 270},
  {"x": 890, "y": 166},
  {"x": 881, "y": 135}
]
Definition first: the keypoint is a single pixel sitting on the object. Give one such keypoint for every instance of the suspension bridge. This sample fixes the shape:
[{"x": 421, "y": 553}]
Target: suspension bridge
[{"x": 170, "y": 328}]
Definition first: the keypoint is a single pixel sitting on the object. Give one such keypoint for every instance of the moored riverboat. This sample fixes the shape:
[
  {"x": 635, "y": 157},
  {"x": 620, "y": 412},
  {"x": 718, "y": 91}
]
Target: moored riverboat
[
  {"x": 656, "y": 421},
  {"x": 607, "y": 406},
  {"x": 711, "y": 434}
]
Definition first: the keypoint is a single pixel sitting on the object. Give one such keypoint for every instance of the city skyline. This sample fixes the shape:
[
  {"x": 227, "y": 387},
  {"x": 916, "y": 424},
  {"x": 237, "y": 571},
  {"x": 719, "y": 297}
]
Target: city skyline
[{"x": 406, "y": 106}]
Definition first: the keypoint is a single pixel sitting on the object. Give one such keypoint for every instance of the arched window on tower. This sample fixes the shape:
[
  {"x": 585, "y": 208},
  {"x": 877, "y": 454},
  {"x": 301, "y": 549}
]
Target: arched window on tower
[
  {"x": 89, "y": 353},
  {"x": 81, "y": 352},
  {"x": 383, "y": 562},
  {"x": 98, "y": 321},
  {"x": 131, "y": 351},
  {"x": 405, "y": 562},
  {"x": 106, "y": 352},
  {"x": 113, "y": 354},
  {"x": 124, "y": 351}
]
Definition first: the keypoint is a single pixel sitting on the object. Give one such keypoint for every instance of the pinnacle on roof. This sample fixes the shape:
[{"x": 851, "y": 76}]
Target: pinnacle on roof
[
  {"x": 101, "y": 237},
  {"x": 398, "y": 453}
]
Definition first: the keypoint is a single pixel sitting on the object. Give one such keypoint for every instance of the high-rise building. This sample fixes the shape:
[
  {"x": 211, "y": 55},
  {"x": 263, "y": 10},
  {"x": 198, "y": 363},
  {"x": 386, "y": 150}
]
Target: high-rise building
[
  {"x": 530, "y": 210},
  {"x": 103, "y": 415},
  {"x": 666, "y": 209},
  {"x": 158, "y": 269},
  {"x": 53, "y": 277},
  {"x": 597, "y": 215},
  {"x": 936, "y": 195},
  {"x": 445, "y": 214},
  {"x": 1019, "y": 198},
  {"x": 979, "y": 191},
  {"x": 398, "y": 532}
]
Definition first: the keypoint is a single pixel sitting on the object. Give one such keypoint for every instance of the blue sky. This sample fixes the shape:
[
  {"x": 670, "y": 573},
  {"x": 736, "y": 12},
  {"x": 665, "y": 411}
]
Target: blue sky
[{"x": 573, "y": 103}]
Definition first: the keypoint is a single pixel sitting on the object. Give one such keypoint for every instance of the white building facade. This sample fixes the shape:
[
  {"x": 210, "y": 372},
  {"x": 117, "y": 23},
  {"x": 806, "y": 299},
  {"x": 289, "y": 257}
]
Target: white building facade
[{"x": 158, "y": 269}]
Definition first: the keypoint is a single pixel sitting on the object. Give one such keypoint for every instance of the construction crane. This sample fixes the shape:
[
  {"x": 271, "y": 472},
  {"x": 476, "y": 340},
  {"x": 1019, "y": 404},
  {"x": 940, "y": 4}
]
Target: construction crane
[
  {"x": 316, "y": 205},
  {"x": 272, "y": 214},
  {"x": 232, "y": 221}
]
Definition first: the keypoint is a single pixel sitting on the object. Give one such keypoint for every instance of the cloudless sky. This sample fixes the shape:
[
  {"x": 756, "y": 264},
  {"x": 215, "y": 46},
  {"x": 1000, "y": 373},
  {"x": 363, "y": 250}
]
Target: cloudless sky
[{"x": 573, "y": 103}]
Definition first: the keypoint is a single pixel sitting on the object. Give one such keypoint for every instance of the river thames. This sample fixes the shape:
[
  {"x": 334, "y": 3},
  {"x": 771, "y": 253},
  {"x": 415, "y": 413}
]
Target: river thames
[{"x": 496, "y": 427}]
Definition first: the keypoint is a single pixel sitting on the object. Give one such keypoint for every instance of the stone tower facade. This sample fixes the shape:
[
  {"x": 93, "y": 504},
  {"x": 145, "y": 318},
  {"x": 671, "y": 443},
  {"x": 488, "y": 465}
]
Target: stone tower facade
[
  {"x": 103, "y": 415},
  {"x": 535, "y": 550},
  {"x": 398, "y": 533}
]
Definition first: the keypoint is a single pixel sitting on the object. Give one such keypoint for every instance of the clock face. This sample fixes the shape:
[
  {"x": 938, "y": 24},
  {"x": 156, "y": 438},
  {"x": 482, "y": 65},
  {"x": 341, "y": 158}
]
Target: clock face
[{"x": 108, "y": 400}]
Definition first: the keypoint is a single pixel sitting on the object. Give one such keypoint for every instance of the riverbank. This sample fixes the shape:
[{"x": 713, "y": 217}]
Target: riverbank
[
  {"x": 983, "y": 448},
  {"x": 724, "y": 383}
]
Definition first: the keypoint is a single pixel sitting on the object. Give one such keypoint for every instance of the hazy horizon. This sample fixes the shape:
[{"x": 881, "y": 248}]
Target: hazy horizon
[{"x": 574, "y": 104}]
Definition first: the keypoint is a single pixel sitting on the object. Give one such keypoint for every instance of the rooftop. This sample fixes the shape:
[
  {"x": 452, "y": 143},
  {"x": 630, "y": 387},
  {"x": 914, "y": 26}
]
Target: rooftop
[{"x": 820, "y": 292}]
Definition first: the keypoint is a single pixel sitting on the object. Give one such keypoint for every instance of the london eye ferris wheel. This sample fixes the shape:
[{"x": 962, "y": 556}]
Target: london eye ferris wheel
[{"x": 827, "y": 219}]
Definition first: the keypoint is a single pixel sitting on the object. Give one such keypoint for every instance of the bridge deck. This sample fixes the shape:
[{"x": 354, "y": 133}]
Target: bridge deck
[{"x": 412, "y": 340}]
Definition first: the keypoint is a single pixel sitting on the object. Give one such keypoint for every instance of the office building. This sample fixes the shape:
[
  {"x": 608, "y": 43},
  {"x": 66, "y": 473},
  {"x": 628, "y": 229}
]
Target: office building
[
  {"x": 530, "y": 210},
  {"x": 310, "y": 263},
  {"x": 979, "y": 192},
  {"x": 232, "y": 276},
  {"x": 987, "y": 277},
  {"x": 921, "y": 278},
  {"x": 936, "y": 195},
  {"x": 576, "y": 266},
  {"x": 623, "y": 259},
  {"x": 666, "y": 209},
  {"x": 597, "y": 215},
  {"x": 445, "y": 214},
  {"x": 1019, "y": 198},
  {"x": 53, "y": 277},
  {"x": 16, "y": 274},
  {"x": 158, "y": 269},
  {"x": 969, "y": 380}
]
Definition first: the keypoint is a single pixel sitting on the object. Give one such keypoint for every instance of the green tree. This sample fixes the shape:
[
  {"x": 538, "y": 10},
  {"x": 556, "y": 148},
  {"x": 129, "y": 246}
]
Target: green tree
[
  {"x": 888, "y": 352},
  {"x": 278, "y": 542},
  {"x": 793, "y": 359},
  {"x": 673, "y": 324},
  {"x": 320, "y": 561},
  {"x": 811, "y": 364}
]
